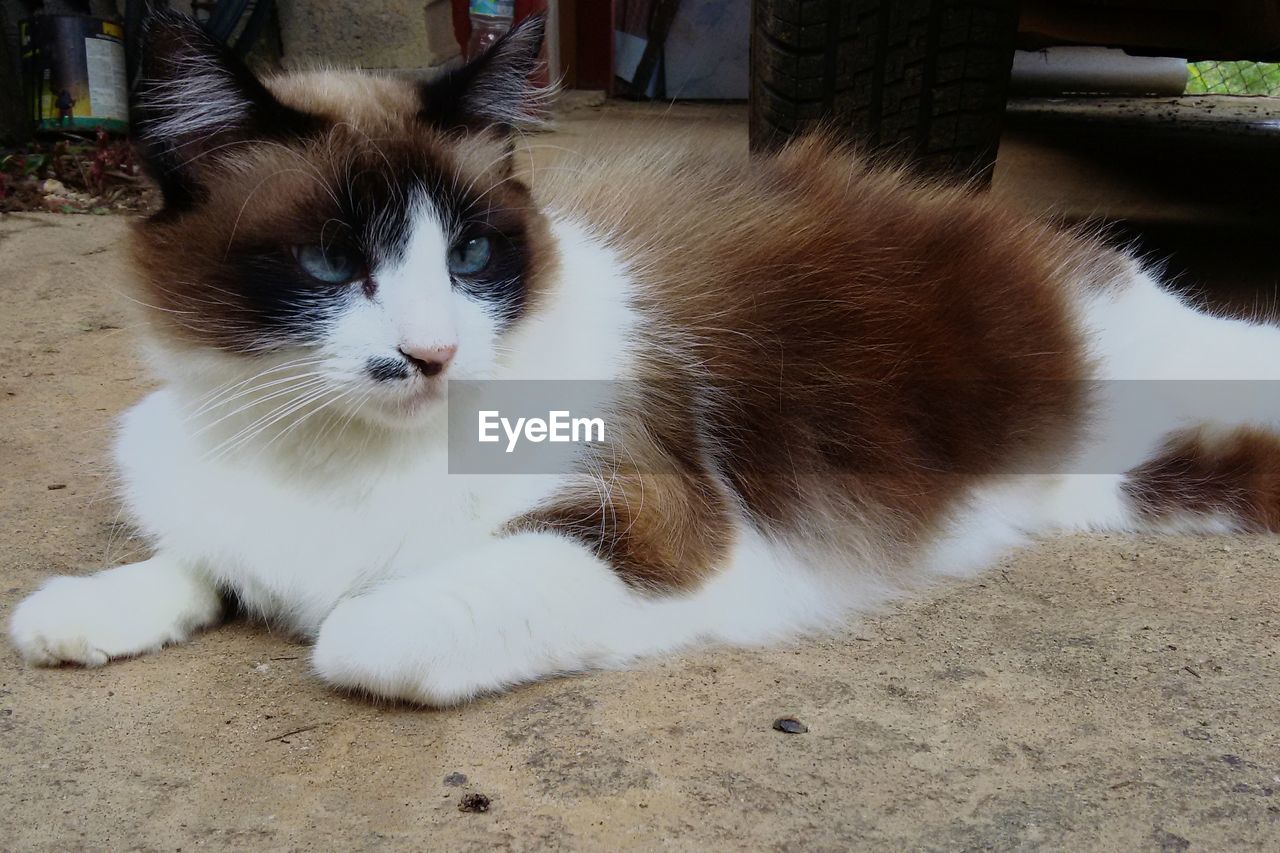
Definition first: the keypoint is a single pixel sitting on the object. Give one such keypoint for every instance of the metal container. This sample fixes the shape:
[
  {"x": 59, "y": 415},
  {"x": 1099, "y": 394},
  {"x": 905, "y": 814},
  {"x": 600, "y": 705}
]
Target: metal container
[{"x": 74, "y": 73}]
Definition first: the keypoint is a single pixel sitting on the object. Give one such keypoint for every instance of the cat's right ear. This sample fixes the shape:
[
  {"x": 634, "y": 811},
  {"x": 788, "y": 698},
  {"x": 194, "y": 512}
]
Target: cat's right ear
[
  {"x": 494, "y": 90},
  {"x": 194, "y": 96}
]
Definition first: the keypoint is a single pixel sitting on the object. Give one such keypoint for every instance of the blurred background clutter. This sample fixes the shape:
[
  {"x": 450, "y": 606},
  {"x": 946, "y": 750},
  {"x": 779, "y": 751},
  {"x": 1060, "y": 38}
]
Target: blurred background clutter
[{"x": 1159, "y": 117}]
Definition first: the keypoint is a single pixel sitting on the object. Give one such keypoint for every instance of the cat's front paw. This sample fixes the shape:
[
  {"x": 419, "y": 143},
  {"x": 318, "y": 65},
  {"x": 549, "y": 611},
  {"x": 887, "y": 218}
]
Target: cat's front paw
[
  {"x": 375, "y": 645},
  {"x": 358, "y": 649},
  {"x": 66, "y": 622},
  {"x": 513, "y": 611},
  {"x": 118, "y": 613}
]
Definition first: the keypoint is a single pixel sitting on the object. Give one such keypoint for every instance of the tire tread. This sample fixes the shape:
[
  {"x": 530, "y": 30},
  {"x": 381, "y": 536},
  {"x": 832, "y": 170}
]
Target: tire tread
[{"x": 925, "y": 78}]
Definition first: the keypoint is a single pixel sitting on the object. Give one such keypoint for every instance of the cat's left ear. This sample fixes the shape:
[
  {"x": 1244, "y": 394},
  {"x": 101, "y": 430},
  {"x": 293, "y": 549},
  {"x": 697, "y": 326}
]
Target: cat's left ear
[{"x": 494, "y": 89}]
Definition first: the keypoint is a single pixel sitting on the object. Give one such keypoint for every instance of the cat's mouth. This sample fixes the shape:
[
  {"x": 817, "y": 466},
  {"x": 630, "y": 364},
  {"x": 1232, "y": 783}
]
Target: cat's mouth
[{"x": 408, "y": 403}]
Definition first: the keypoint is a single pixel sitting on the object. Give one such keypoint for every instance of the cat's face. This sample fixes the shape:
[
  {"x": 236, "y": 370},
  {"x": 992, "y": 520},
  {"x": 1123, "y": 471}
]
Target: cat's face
[{"x": 356, "y": 240}]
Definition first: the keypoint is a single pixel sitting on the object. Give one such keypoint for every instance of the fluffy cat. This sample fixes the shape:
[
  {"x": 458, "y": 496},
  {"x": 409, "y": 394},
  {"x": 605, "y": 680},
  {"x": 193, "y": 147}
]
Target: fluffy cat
[{"x": 833, "y": 382}]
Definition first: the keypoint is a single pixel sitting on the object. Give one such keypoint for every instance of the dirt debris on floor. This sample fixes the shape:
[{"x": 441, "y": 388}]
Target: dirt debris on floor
[
  {"x": 790, "y": 725},
  {"x": 474, "y": 803},
  {"x": 1093, "y": 693},
  {"x": 74, "y": 174}
]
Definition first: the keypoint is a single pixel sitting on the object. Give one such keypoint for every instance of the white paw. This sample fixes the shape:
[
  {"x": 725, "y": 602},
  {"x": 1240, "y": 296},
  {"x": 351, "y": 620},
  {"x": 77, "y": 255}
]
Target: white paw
[
  {"x": 58, "y": 624},
  {"x": 355, "y": 651},
  {"x": 68, "y": 621},
  {"x": 118, "y": 613},
  {"x": 375, "y": 645},
  {"x": 493, "y": 618}
]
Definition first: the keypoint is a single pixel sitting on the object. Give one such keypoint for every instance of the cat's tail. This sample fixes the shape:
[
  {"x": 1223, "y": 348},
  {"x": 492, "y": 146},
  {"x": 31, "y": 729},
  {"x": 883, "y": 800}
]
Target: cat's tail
[
  {"x": 1186, "y": 431},
  {"x": 1204, "y": 478}
]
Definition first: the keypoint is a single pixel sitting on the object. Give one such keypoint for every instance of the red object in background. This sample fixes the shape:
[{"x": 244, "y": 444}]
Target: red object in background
[
  {"x": 586, "y": 27},
  {"x": 593, "y": 45},
  {"x": 524, "y": 8}
]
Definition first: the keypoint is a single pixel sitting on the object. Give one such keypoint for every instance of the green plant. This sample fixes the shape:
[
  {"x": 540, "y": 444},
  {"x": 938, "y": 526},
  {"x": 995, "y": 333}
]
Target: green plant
[{"x": 1233, "y": 78}]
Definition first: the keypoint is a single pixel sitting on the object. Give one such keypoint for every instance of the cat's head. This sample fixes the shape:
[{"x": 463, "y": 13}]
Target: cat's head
[{"x": 361, "y": 235}]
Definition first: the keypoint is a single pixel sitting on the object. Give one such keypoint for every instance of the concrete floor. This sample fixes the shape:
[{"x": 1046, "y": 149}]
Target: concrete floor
[{"x": 1093, "y": 693}]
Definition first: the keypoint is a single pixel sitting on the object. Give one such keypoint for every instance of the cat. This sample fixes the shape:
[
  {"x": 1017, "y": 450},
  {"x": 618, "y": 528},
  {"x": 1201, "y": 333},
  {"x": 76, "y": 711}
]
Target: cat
[{"x": 831, "y": 381}]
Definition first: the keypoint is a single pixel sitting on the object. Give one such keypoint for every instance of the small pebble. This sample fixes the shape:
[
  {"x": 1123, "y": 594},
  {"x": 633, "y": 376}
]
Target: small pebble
[
  {"x": 53, "y": 487},
  {"x": 473, "y": 803},
  {"x": 790, "y": 725},
  {"x": 453, "y": 780}
]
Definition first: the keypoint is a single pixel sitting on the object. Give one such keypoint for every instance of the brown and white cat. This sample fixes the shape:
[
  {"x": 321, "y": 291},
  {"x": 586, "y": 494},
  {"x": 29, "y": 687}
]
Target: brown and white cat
[{"x": 833, "y": 382}]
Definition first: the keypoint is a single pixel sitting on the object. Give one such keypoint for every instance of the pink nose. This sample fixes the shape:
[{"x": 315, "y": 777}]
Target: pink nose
[{"x": 430, "y": 361}]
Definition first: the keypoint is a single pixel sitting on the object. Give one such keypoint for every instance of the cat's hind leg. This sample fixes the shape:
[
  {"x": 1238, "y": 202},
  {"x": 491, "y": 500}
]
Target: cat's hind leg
[{"x": 120, "y": 612}]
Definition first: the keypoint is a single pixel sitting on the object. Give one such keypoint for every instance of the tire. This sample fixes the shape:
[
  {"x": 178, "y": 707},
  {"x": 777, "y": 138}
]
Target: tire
[{"x": 925, "y": 79}]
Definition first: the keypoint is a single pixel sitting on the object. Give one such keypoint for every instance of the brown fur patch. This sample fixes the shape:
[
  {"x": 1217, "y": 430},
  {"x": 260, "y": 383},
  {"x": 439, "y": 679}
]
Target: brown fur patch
[
  {"x": 376, "y": 104},
  {"x": 855, "y": 349},
  {"x": 658, "y": 529},
  {"x": 649, "y": 503},
  {"x": 1233, "y": 475}
]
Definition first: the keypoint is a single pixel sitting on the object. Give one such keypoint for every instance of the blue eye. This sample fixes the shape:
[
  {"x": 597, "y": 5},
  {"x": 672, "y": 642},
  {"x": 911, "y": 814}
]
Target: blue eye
[
  {"x": 470, "y": 256},
  {"x": 330, "y": 264}
]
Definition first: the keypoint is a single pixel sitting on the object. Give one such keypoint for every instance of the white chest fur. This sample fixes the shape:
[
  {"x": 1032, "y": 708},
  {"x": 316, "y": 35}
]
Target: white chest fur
[{"x": 292, "y": 547}]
